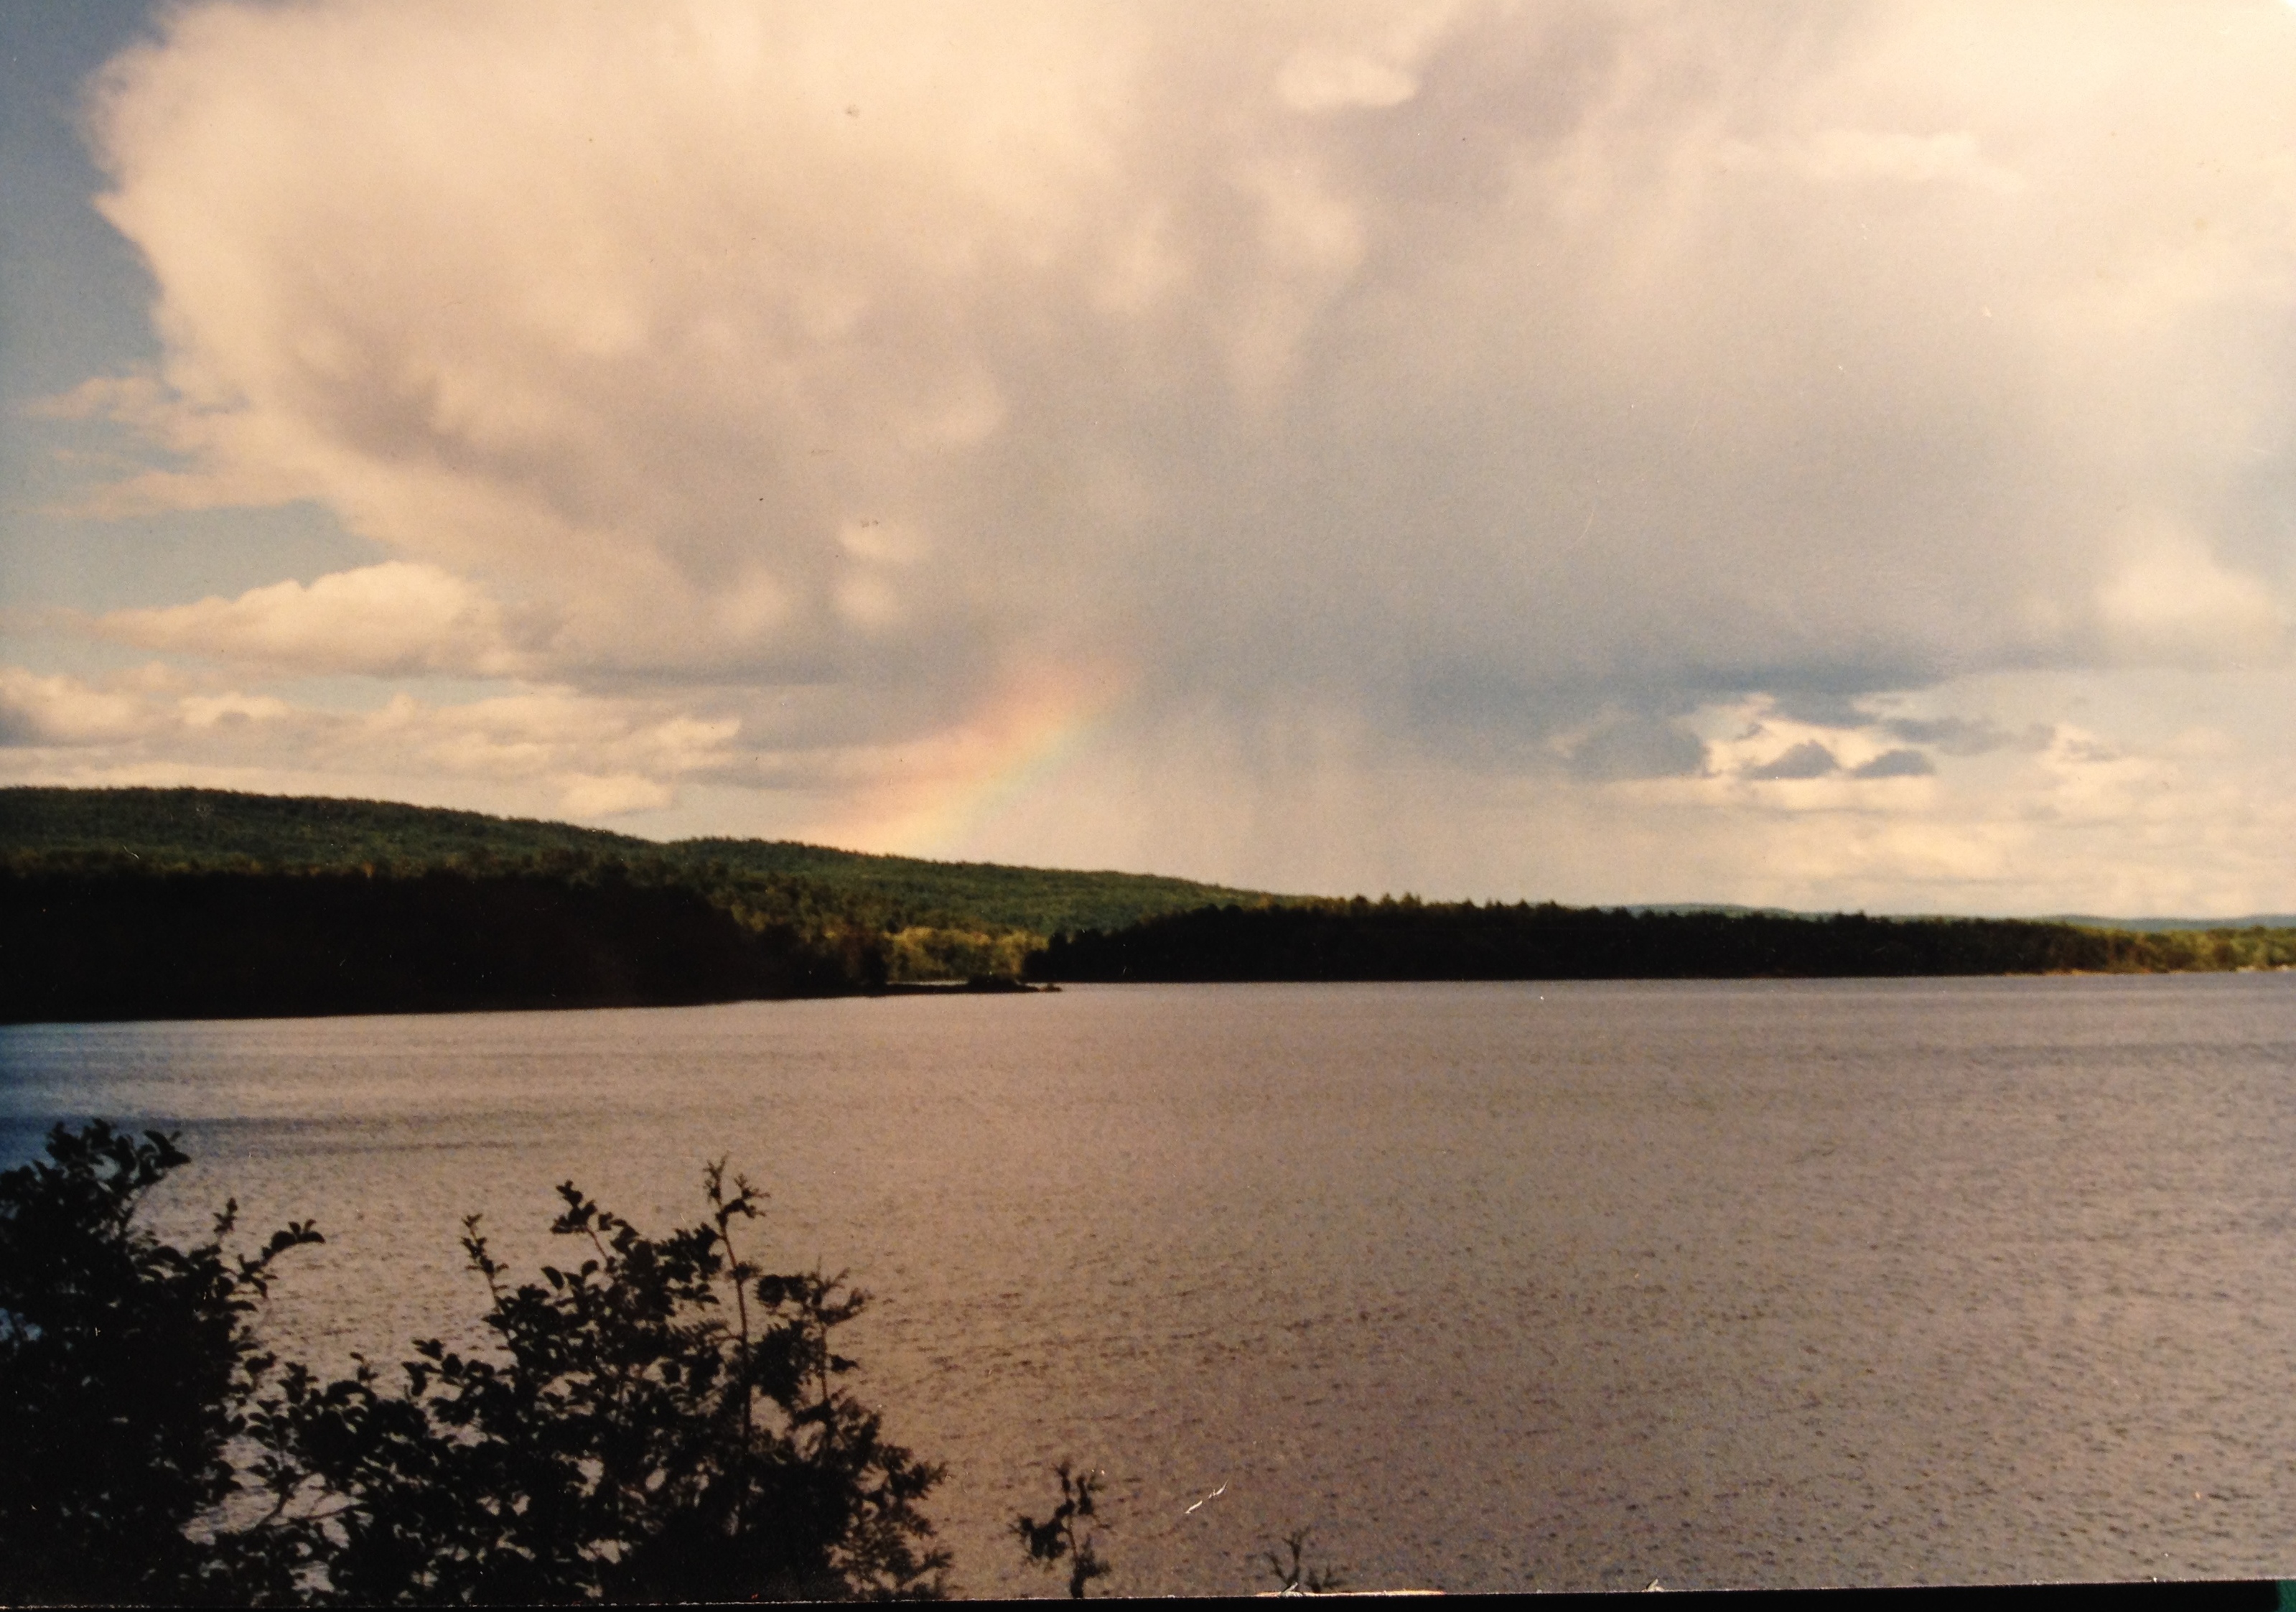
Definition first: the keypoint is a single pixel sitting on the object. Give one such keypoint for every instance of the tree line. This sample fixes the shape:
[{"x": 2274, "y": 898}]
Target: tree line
[
  {"x": 1411, "y": 939},
  {"x": 78, "y": 946}
]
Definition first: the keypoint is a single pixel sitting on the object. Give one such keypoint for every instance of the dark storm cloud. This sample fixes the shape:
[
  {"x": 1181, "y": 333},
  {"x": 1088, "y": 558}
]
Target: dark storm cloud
[
  {"x": 1896, "y": 764},
  {"x": 1808, "y": 760},
  {"x": 1634, "y": 747},
  {"x": 1967, "y": 736}
]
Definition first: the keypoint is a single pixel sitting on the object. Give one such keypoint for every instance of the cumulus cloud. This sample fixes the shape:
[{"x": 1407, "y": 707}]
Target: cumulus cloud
[
  {"x": 388, "y": 619},
  {"x": 644, "y": 306},
  {"x": 64, "y": 711},
  {"x": 1508, "y": 385},
  {"x": 547, "y": 749}
]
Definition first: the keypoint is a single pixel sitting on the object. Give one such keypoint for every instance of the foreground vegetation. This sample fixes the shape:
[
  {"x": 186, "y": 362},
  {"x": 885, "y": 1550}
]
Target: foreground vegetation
[{"x": 660, "y": 1419}]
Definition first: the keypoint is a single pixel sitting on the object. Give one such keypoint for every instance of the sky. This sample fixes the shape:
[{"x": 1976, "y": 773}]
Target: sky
[{"x": 1831, "y": 456}]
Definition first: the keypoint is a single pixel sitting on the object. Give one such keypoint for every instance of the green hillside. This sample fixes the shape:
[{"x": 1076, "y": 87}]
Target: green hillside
[
  {"x": 219, "y": 830},
  {"x": 1044, "y": 901},
  {"x": 208, "y": 830}
]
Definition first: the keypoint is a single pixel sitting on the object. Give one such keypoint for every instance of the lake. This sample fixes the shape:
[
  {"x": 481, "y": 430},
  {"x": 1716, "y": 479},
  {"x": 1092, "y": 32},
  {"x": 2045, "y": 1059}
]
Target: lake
[{"x": 1495, "y": 1287}]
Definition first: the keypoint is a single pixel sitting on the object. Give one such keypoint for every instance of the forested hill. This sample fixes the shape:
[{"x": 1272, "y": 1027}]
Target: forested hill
[
  {"x": 208, "y": 830},
  {"x": 143, "y": 903},
  {"x": 1046, "y": 901}
]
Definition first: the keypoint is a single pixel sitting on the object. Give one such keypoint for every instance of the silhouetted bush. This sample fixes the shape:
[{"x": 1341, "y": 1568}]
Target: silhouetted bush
[
  {"x": 1070, "y": 1534},
  {"x": 127, "y": 1369},
  {"x": 662, "y": 1421},
  {"x": 1295, "y": 1577},
  {"x": 667, "y": 1424}
]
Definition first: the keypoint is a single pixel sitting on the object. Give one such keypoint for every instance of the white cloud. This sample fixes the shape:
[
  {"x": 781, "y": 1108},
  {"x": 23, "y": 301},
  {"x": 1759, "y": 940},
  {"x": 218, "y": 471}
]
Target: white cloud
[
  {"x": 615, "y": 795},
  {"x": 60, "y": 710},
  {"x": 1325, "y": 80},
  {"x": 1505, "y": 385},
  {"x": 388, "y": 619},
  {"x": 1850, "y": 155},
  {"x": 2170, "y": 599},
  {"x": 644, "y": 310},
  {"x": 1364, "y": 56},
  {"x": 535, "y": 750}
]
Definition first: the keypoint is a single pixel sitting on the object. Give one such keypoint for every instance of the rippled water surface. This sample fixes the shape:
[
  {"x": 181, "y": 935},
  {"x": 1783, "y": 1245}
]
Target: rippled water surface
[{"x": 1495, "y": 1287}]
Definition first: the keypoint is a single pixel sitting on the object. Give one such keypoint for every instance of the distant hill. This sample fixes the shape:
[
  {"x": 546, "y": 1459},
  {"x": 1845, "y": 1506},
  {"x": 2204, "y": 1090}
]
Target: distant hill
[{"x": 2079, "y": 920}]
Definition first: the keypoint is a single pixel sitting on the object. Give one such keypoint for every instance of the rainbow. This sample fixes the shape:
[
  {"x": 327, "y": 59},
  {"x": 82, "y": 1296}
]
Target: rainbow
[{"x": 946, "y": 788}]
